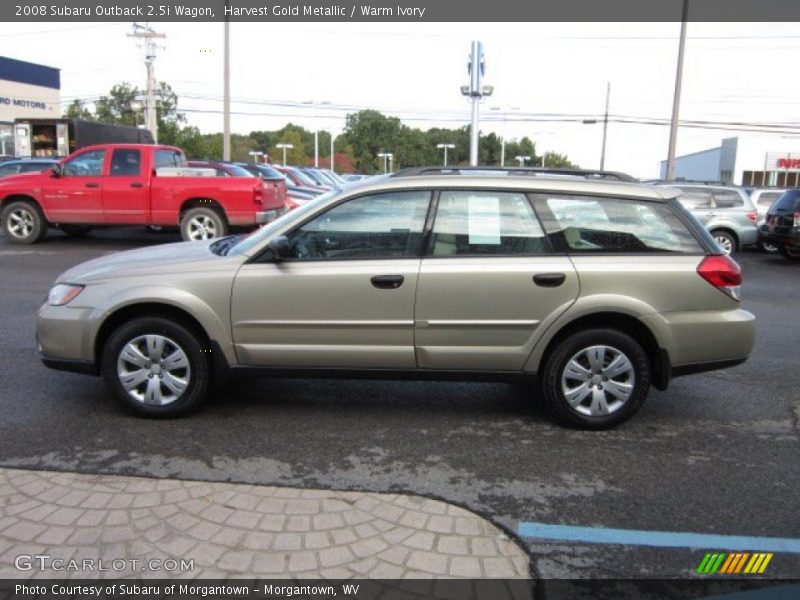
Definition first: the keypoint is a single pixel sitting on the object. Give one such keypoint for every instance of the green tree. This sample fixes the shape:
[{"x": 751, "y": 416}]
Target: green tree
[
  {"x": 77, "y": 110},
  {"x": 370, "y": 133}
]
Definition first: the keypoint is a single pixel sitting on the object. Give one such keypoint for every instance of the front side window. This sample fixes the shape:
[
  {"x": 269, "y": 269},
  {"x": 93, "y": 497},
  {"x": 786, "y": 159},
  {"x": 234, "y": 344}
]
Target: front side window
[
  {"x": 385, "y": 225},
  {"x": 125, "y": 162},
  {"x": 88, "y": 164},
  {"x": 486, "y": 223},
  {"x": 618, "y": 226}
]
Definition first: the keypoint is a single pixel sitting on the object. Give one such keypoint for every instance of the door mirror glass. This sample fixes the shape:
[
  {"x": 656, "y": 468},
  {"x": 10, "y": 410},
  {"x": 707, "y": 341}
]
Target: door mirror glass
[
  {"x": 56, "y": 170},
  {"x": 280, "y": 247}
]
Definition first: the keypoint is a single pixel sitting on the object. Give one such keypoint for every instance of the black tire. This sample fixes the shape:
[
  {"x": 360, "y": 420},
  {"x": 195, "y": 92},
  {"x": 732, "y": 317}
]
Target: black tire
[
  {"x": 790, "y": 254},
  {"x": 768, "y": 248},
  {"x": 176, "y": 337},
  {"x": 203, "y": 223},
  {"x": 552, "y": 379},
  {"x": 23, "y": 222},
  {"x": 726, "y": 239},
  {"x": 75, "y": 231}
]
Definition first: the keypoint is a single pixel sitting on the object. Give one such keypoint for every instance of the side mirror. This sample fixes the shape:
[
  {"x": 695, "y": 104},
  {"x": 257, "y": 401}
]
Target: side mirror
[
  {"x": 280, "y": 247},
  {"x": 56, "y": 170}
]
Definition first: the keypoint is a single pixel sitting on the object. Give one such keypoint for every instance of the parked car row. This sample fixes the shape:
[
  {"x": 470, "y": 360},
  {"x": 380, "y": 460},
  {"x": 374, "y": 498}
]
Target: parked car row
[{"x": 738, "y": 217}]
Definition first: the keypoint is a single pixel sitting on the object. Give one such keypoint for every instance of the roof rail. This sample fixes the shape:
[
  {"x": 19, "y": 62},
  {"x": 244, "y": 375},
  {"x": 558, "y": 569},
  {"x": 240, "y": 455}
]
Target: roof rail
[
  {"x": 514, "y": 171},
  {"x": 686, "y": 182}
]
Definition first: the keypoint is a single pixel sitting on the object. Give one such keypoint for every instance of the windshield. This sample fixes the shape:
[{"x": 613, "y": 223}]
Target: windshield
[
  {"x": 303, "y": 177},
  {"x": 259, "y": 235}
]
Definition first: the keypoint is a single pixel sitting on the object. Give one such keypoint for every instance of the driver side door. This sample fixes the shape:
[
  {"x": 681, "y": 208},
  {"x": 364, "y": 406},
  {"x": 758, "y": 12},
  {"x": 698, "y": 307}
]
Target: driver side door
[
  {"x": 77, "y": 195},
  {"x": 344, "y": 298}
]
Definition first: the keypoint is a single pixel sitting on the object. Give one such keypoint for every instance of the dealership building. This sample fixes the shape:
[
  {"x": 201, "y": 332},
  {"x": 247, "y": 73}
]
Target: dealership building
[
  {"x": 27, "y": 91},
  {"x": 749, "y": 161}
]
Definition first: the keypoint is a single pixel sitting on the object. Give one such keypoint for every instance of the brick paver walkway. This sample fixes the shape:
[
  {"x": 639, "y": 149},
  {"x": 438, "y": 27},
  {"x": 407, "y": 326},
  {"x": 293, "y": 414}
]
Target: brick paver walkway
[{"x": 235, "y": 530}]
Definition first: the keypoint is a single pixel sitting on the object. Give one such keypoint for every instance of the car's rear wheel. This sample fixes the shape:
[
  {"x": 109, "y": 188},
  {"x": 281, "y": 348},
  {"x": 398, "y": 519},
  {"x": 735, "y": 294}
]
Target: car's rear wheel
[
  {"x": 203, "y": 224},
  {"x": 792, "y": 254},
  {"x": 23, "y": 222},
  {"x": 727, "y": 241},
  {"x": 768, "y": 248},
  {"x": 156, "y": 367},
  {"x": 596, "y": 379}
]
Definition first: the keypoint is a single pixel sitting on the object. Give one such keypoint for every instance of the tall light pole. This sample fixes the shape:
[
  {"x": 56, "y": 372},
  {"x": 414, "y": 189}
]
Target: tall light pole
[
  {"x": 314, "y": 104},
  {"x": 676, "y": 101},
  {"x": 445, "y": 147},
  {"x": 333, "y": 138},
  {"x": 605, "y": 128},
  {"x": 476, "y": 67},
  {"x": 385, "y": 156},
  {"x": 522, "y": 160},
  {"x": 284, "y": 147},
  {"x": 255, "y": 154},
  {"x": 226, "y": 91}
]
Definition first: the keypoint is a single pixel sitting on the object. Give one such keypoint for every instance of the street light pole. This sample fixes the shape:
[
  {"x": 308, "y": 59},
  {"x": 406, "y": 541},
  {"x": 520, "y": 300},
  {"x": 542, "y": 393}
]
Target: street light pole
[
  {"x": 676, "y": 101},
  {"x": 605, "y": 129},
  {"x": 314, "y": 105},
  {"x": 284, "y": 147},
  {"x": 445, "y": 147},
  {"x": 522, "y": 160}
]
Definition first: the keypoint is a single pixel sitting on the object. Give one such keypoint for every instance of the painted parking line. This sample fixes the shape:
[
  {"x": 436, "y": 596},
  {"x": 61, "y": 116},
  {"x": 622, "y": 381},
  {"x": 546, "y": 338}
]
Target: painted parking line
[{"x": 666, "y": 539}]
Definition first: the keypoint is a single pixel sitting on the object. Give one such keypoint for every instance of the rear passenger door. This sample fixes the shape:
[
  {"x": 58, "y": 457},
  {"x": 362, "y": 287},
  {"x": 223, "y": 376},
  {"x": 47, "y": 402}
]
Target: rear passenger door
[
  {"x": 126, "y": 195},
  {"x": 488, "y": 283}
]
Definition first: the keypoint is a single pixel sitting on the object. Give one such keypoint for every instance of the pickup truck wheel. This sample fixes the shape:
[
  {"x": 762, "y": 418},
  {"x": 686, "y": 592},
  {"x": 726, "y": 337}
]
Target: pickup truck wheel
[
  {"x": 203, "y": 224},
  {"x": 75, "y": 230},
  {"x": 156, "y": 367},
  {"x": 596, "y": 379},
  {"x": 23, "y": 222}
]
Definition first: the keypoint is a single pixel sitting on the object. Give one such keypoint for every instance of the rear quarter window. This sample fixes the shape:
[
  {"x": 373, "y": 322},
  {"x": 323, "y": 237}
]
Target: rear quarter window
[{"x": 616, "y": 225}]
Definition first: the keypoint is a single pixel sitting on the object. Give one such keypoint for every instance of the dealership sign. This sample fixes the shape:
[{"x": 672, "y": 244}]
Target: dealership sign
[
  {"x": 21, "y": 103},
  {"x": 789, "y": 163}
]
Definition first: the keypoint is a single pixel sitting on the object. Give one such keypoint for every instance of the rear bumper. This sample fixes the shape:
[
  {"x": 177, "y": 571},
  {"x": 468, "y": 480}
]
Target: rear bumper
[
  {"x": 784, "y": 238},
  {"x": 268, "y": 216}
]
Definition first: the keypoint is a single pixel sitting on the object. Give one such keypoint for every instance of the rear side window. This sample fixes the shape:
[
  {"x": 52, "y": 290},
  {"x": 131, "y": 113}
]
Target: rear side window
[
  {"x": 12, "y": 169},
  {"x": 125, "y": 162},
  {"x": 486, "y": 223},
  {"x": 694, "y": 199},
  {"x": 603, "y": 225},
  {"x": 728, "y": 199},
  {"x": 790, "y": 201},
  {"x": 766, "y": 199},
  {"x": 34, "y": 167}
]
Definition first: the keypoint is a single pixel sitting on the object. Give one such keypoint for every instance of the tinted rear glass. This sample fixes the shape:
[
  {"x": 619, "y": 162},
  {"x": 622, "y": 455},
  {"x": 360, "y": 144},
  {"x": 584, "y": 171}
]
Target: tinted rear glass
[{"x": 790, "y": 201}]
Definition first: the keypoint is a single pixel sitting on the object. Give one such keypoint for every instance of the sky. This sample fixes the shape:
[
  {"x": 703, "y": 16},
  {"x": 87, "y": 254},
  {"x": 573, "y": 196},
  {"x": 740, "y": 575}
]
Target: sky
[{"x": 547, "y": 77}]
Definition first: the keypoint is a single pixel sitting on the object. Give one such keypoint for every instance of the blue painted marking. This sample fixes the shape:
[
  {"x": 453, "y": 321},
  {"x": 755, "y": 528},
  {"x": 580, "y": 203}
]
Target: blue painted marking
[{"x": 668, "y": 539}]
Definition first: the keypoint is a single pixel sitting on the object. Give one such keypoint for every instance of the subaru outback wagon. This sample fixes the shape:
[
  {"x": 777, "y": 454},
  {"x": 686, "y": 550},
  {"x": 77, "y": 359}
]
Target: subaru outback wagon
[{"x": 591, "y": 290}]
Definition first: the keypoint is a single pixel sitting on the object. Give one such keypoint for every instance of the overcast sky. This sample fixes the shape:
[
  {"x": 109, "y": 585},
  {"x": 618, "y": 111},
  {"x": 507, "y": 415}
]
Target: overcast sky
[{"x": 737, "y": 72}]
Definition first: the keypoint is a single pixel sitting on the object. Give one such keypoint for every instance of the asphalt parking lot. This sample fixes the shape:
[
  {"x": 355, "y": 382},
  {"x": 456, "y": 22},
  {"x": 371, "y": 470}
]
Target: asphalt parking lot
[{"x": 717, "y": 453}]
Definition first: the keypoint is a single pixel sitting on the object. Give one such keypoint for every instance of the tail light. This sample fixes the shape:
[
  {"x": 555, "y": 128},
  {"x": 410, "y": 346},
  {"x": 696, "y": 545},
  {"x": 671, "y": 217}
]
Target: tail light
[
  {"x": 258, "y": 194},
  {"x": 723, "y": 273},
  {"x": 796, "y": 219},
  {"x": 753, "y": 216}
]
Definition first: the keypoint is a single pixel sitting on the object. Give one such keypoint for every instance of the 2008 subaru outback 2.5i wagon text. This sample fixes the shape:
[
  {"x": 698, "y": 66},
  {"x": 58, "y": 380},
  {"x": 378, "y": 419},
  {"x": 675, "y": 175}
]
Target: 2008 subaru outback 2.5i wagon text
[{"x": 599, "y": 289}]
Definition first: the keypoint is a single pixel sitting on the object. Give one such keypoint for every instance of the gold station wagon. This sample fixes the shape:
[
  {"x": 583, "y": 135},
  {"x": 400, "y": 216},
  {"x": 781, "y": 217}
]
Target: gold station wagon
[{"x": 593, "y": 289}]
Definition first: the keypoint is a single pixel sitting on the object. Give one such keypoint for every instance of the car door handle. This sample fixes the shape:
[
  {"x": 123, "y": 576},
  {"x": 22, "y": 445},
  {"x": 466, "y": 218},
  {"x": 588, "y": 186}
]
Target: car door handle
[
  {"x": 549, "y": 279},
  {"x": 93, "y": 185},
  {"x": 137, "y": 185},
  {"x": 387, "y": 282}
]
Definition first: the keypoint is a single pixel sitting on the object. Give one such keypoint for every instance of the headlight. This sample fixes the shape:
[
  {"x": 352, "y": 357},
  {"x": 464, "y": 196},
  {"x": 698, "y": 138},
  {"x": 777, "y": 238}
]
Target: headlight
[{"x": 61, "y": 293}]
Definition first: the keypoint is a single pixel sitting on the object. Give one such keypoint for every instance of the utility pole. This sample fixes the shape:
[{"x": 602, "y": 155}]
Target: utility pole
[
  {"x": 476, "y": 68},
  {"x": 605, "y": 129},
  {"x": 146, "y": 33},
  {"x": 676, "y": 101},
  {"x": 226, "y": 92}
]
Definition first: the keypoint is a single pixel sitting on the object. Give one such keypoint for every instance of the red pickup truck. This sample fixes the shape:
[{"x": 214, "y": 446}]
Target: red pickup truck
[{"x": 132, "y": 184}]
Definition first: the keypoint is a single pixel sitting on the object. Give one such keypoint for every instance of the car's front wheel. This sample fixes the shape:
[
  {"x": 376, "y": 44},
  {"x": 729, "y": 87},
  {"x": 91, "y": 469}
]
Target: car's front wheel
[
  {"x": 23, "y": 222},
  {"x": 156, "y": 367},
  {"x": 596, "y": 379}
]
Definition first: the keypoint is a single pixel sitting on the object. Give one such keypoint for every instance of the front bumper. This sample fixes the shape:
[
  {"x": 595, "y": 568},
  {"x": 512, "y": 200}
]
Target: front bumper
[{"x": 63, "y": 338}]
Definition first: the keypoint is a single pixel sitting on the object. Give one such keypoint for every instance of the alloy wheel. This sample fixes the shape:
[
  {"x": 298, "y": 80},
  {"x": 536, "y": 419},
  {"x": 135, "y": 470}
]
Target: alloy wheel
[
  {"x": 153, "y": 370},
  {"x": 598, "y": 380}
]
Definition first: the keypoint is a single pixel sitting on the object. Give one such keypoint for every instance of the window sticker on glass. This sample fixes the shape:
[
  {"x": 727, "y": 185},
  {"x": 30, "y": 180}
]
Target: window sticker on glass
[{"x": 484, "y": 220}]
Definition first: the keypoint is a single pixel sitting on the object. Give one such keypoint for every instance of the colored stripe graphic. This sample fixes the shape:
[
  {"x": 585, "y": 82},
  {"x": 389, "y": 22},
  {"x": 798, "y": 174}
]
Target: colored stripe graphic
[{"x": 666, "y": 539}]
